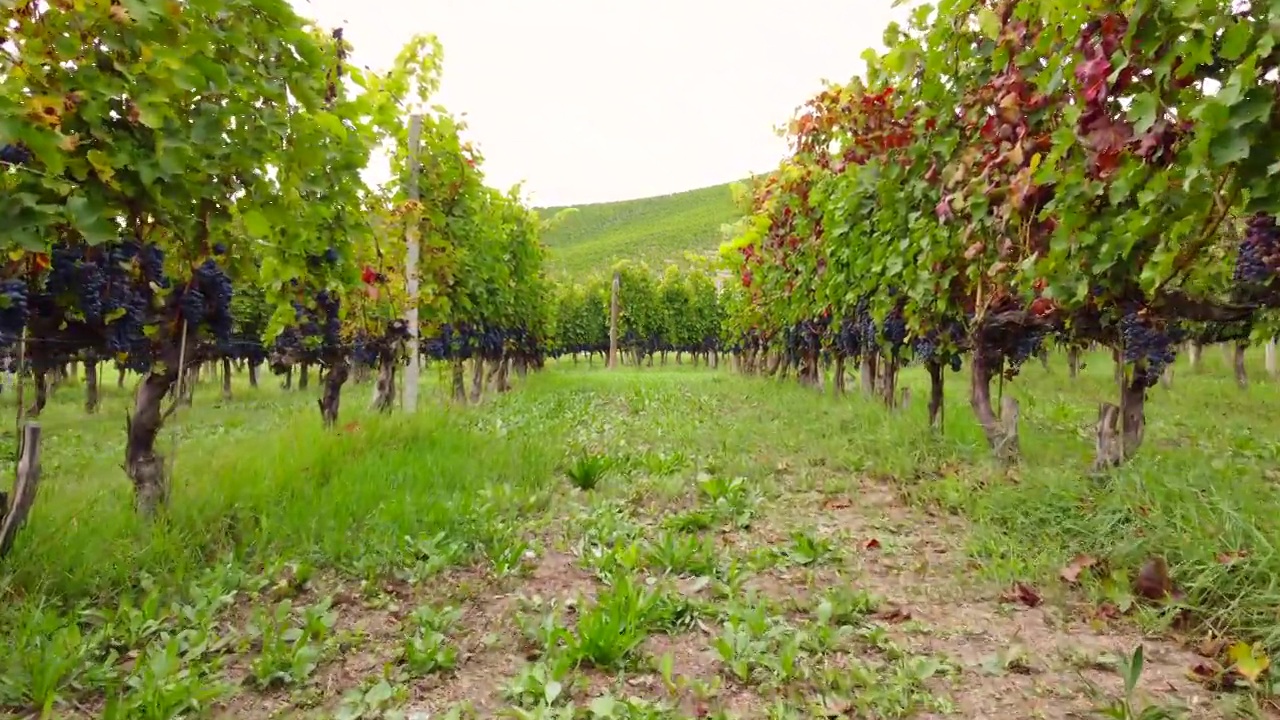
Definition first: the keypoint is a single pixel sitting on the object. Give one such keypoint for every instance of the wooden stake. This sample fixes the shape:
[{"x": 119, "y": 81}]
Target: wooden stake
[
  {"x": 613, "y": 320},
  {"x": 412, "y": 373}
]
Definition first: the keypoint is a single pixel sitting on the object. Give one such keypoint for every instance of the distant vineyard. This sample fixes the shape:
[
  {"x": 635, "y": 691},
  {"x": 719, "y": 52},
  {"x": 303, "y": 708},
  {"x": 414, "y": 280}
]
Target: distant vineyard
[
  {"x": 678, "y": 312},
  {"x": 654, "y": 230}
]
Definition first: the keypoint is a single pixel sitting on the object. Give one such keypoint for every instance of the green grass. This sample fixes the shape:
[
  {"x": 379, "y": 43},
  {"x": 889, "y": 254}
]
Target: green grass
[
  {"x": 657, "y": 230},
  {"x": 651, "y": 543}
]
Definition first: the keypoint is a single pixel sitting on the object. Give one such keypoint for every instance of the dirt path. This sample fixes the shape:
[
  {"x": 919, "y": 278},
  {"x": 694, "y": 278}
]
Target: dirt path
[
  {"x": 777, "y": 582},
  {"x": 920, "y": 638},
  {"x": 1013, "y": 653}
]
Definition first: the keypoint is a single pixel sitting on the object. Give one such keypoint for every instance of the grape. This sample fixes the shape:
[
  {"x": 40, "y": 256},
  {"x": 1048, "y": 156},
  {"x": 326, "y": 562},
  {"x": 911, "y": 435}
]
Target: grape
[
  {"x": 925, "y": 348},
  {"x": 77, "y": 279},
  {"x": 13, "y": 309},
  {"x": 1259, "y": 254},
  {"x": 15, "y": 154},
  {"x": 215, "y": 288},
  {"x": 364, "y": 351},
  {"x": 1025, "y": 346},
  {"x": 1145, "y": 344},
  {"x": 868, "y": 340},
  {"x": 330, "y": 306},
  {"x": 219, "y": 249},
  {"x": 331, "y": 256},
  {"x": 895, "y": 329}
]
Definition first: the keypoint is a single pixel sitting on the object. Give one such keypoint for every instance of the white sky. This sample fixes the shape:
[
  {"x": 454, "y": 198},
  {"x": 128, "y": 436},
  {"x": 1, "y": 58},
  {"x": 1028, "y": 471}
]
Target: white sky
[{"x": 597, "y": 100}]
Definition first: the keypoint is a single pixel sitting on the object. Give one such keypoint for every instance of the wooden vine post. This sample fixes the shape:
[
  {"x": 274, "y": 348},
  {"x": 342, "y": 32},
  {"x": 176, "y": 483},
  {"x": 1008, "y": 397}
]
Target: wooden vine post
[
  {"x": 613, "y": 320},
  {"x": 412, "y": 372},
  {"x": 15, "y": 506}
]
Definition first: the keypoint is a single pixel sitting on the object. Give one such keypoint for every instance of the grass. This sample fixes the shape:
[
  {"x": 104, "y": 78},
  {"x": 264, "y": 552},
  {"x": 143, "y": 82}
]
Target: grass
[
  {"x": 657, "y": 230},
  {"x": 753, "y": 550}
]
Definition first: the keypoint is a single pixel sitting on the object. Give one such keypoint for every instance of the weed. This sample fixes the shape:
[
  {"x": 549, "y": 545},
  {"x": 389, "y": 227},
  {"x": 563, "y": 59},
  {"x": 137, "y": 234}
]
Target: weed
[
  {"x": 1128, "y": 706},
  {"x": 587, "y": 470}
]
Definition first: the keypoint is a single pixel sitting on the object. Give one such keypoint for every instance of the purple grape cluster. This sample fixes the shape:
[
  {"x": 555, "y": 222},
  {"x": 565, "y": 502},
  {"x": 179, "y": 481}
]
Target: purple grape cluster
[
  {"x": 14, "y": 309},
  {"x": 15, "y": 154},
  {"x": 1148, "y": 347},
  {"x": 1025, "y": 346},
  {"x": 929, "y": 347},
  {"x": 330, "y": 308},
  {"x": 895, "y": 330},
  {"x": 1259, "y": 254},
  {"x": 205, "y": 301},
  {"x": 101, "y": 298}
]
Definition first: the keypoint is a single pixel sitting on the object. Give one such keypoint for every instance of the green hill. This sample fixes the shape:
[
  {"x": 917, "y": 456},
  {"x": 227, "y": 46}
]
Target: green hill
[{"x": 656, "y": 230}]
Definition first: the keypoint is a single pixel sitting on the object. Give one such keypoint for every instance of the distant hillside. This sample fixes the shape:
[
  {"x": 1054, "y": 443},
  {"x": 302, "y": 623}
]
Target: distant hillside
[{"x": 656, "y": 230}]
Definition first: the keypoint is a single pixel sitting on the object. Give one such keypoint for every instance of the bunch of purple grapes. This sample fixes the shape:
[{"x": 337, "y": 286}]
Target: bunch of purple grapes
[
  {"x": 206, "y": 301},
  {"x": 438, "y": 347},
  {"x": 868, "y": 340},
  {"x": 895, "y": 330},
  {"x": 106, "y": 293},
  {"x": 17, "y": 154},
  {"x": 928, "y": 348},
  {"x": 1259, "y": 254},
  {"x": 364, "y": 350},
  {"x": 330, "y": 306},
  {"x": 1149, "y": 348},
  {"x": 14, "y": 310},
  {"x": 81, "y": 278},
  {"x": 1025, "y": 346},
  {"x": 490, "y": 343}
]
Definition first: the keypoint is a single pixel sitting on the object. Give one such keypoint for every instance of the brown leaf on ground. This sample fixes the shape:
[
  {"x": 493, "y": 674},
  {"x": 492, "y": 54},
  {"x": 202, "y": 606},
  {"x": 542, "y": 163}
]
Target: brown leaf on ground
[
  {"x": 1022, "y": 593},
  {"x": 1108, "y": 611},
  {"x": 893, "y": 613},
  {"x": 1211, "y": 646},
  {"x": 837, "y": 503},
  {"x": 1071, "y": 573},
  {"x": 1232, "y": 557},
  {"x": 1214, "y": 677},
  {"x": 1153, "y": 581},
  {"x": 872, "y": 544}
]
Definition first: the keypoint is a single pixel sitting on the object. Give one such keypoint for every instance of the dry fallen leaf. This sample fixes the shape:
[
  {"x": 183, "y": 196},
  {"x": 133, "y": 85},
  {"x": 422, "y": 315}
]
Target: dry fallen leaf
[
  {"x": 836, "y": 504},
  {"x": 1211, "y": 646},
  {"x": 1022, "y": 593},
  {"x": 1153, "y": 581},
  {"x": 1214, "y": 677},
  {"x": 1078, "y": 564},
  {"x": 1108, "y": 611},
  {"x": 894, "y": 613},
  {"x": 1207, "y": 671},
  {"x": 1232, "y": 557}
]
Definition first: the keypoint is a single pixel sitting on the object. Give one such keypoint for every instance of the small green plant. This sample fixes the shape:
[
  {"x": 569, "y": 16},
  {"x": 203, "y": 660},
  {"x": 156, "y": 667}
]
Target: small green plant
[
  {"x": 538, "y": 685},
  {"x": 164, "y": 685},
  {"x": 427, "y": 649},
  {"x": 587, "y": 470},
  {"x": 290, "y": 648},
  {"x": 682, "y": 554},
  {"x": 808, "y": 549},
  {"x": 613, "y": 626},
  {"x": 1129, "y": 707},
  {"x": 372, "y": 700}
]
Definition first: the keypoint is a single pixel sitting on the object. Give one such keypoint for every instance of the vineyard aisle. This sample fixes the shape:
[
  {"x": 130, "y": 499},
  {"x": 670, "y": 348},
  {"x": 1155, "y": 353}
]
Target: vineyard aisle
[{"x": 742, "y": 548}]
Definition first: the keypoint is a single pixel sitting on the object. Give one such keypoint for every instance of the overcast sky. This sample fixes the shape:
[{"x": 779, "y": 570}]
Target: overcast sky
[{"x": 597, "y": 100}]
